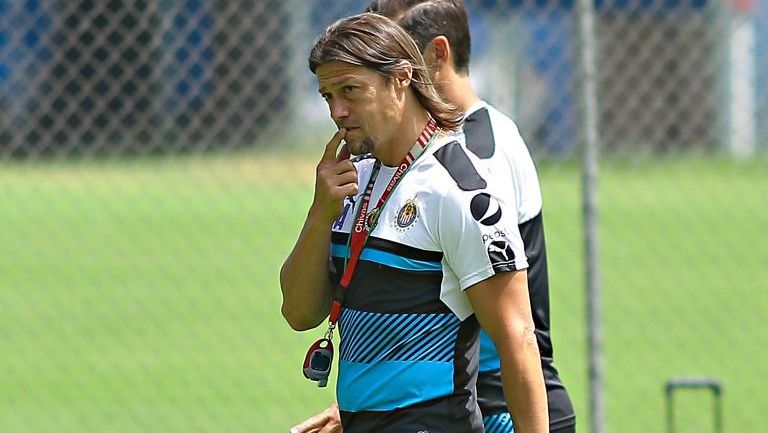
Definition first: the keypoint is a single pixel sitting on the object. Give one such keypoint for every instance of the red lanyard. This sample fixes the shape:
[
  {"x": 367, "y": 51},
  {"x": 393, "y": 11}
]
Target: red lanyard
[
  {"x": 317, "y": 362},
  {"x": 360, "y": 230}
]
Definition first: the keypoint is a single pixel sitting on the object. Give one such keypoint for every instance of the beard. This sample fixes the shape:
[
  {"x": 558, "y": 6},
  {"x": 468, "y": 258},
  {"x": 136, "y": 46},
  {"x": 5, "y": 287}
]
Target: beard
[{"x": 365, "y": 146}]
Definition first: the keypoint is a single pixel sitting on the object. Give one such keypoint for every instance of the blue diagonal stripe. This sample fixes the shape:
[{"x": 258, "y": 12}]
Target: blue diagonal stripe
[
  {"x": 400, "y": 326},
  {"x": 354, "y": 324},
  {"x": 347, "y": 329},
  {"x": 437, "y": 340},
  {"x": 369, "y": 331},
  {"x": 445, "y": 355},
  {"x": 412, "y": 330},
  {"x": 413, "y": 346},
  {"x": 430, "y": 339},
  {"x": 445, "y": 340},
  {"x": 374, "y": 337},
  {"x": 499, "y": 423},
  {"x": 399, "y": 351},
  {"x": 381, "y": 329}
]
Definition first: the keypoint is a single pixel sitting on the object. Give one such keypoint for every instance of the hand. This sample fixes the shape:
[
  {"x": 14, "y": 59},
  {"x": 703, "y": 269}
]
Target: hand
[
  {"x": 336, "y": 179},
  {"x": 327, "y": 421}
]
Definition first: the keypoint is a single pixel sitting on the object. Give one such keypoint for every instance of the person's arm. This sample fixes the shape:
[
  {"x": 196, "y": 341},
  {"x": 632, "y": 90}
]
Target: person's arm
[
  {"x": 502, "y": 306},
  {"x": 307, "y": 291},
  {"x": 327, "y": 421}
]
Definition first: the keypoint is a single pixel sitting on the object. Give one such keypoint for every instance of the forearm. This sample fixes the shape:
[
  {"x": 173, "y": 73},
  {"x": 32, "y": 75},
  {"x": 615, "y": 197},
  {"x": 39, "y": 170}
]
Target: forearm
[
  {"x": 524, "y": 384},
  {"x": 307, "y": 292},
  {"x": 502, "y": 307},
  {"x": 304, "y": 280}
]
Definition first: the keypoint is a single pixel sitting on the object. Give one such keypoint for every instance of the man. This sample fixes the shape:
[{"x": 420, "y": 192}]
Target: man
[
  {"x": 427, "y": 270},
  {"x": 440, "y": 28}
]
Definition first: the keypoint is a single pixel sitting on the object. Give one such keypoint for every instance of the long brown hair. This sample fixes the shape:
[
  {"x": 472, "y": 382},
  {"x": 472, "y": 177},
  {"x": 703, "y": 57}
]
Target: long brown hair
[{"x": 376, "y": 42}]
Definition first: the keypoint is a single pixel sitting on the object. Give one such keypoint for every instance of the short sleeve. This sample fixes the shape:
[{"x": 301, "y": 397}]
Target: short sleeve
[{"x": 479, "y": 235}]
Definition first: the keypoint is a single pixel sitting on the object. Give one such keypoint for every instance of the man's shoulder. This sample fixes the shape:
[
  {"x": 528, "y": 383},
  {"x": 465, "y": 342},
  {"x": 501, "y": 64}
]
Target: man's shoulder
[
  {"x": 495, "y": 138},
  {"x": 450, "y": 168},
  {"x": 497, "y": 122}
]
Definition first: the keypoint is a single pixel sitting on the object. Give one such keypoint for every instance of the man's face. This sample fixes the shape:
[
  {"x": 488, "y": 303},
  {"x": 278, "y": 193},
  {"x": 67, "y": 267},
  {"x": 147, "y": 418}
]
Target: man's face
[{"x": 363, "y": 102}]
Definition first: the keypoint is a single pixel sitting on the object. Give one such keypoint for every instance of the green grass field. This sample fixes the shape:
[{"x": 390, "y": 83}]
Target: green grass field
[{"x": 142, "y": 296}]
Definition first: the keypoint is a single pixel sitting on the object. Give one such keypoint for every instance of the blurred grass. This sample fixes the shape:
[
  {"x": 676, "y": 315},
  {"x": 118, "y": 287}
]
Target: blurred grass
[{"x": 142, "y": 296}]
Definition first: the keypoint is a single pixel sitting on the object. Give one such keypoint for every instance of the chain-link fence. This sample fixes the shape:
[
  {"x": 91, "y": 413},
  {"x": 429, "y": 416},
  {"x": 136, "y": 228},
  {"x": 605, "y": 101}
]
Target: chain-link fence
[
  {"x": 80, "y": 78},
  {"x": 156, "y": 162},
  {"x": 118, "y": 77}
]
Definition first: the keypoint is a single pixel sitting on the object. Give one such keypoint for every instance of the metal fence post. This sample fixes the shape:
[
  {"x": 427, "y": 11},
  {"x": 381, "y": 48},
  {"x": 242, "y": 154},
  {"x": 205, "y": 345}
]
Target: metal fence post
[{"x": 589, "y": 182}]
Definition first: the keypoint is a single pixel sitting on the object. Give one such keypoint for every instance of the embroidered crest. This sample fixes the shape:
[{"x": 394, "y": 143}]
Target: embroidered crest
[
  {"x": 407, "y": 215},
  {"x": 370, "y": 220}
]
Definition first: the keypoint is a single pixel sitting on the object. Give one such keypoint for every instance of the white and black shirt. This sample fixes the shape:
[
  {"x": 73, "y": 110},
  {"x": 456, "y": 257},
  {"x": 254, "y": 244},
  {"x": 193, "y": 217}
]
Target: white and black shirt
[{"x": 409, "y": 352}]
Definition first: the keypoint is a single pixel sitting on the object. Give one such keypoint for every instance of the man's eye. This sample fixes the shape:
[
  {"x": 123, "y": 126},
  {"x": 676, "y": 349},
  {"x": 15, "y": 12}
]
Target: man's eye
[{"x": 348, "y": 89}]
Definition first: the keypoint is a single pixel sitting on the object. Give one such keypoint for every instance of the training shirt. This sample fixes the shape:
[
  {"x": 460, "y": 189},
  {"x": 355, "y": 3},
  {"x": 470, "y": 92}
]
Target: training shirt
[
  {"x": 409, "y": 339},
  {"x": 495, "y": 140}
]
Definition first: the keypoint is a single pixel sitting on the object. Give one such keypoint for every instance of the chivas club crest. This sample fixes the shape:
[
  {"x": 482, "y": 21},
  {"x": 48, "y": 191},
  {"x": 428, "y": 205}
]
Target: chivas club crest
[
  {"x": 370, "y": 220},
  {"x": 407, "y": 214}
]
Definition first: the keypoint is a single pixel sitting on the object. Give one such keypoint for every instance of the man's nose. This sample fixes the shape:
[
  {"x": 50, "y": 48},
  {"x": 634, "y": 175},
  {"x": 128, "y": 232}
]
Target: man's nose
[{"x": 339, "y": 110}]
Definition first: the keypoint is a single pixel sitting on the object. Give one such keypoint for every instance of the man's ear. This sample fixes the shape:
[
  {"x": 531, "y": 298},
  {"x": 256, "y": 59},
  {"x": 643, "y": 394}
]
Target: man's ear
[
  {"x": 402, "y": 74},
  {"x": 429, "y": 56},
  {"x": 439, "y": 52}
]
